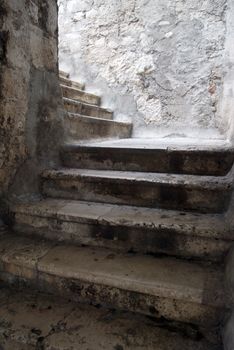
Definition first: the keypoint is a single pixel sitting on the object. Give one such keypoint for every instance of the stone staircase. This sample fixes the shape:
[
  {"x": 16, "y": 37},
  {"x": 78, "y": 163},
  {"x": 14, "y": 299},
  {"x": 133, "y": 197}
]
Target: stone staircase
[
  {"x": 85, "y": 119},
  {"x": 135, "y": 226}
]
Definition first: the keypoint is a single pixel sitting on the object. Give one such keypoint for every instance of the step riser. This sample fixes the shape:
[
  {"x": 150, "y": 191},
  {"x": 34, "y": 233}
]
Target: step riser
[
  {"x": 25, "y": 333},
  {"x": 111, "y": 297},
  {"x": 80, "y": 95},
  {"x": 66, "y": 81},
  {"x": 63, "y": 74},
  {"x": 88, "y": 110},
  {"x": 87, "y": 128},
  {"x": 148, "y": 161},
  {"x": 138, "y": 194},
  {"x": 122, "y": 238}
]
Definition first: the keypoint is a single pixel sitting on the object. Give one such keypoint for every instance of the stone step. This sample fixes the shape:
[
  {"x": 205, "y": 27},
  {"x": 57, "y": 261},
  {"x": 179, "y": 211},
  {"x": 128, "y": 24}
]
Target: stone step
[
  {"x": 127, "y": 156},
  {"x": 81, "y": 96},
  {"x": 74, "y": 84},
  {"x": 81, "y": 127},
  {"x": 89, "y": 110},
  {"x": 125, "y": 228},
  {"x": 182, "y": 192},
  {"x": 63, "y": 74},
  {"x": 40, "y": 321},
  {"x": 166, "y": 288}
]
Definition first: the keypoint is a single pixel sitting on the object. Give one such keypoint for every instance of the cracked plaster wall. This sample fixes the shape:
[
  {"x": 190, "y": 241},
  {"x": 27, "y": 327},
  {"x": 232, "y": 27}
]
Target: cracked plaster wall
[
  {"x": 227, "y": 100},
  {"x": 157, "y": 62},
  {"x": 30, "y": 98}
]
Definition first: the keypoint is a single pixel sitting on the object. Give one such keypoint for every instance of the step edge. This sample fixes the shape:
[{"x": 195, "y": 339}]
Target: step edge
[
  {"x": 108, "y": 121},
  {"x": 194, "y": 181},
  {"x": 92, "y": 147},
  {"x": 40, "y": 265},
  {"x": 30, "y": 209},
  {"x": 80, "y": 91},
  {"x": 75, "y": 102}
]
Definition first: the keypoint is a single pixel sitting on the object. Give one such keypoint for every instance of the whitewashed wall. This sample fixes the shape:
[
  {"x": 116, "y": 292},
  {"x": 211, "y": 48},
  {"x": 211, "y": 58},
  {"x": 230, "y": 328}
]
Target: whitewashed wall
[
  {"x": 226, "y": 107},
  {"x": 159, "y": 63}
]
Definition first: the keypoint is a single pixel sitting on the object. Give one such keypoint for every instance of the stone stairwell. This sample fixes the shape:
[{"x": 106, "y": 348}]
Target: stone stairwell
[{"x": 135, "y": 226}]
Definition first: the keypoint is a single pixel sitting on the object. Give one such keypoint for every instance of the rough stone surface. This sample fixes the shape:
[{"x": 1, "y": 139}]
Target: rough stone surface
[
  {"x": 228, "y": 335},
  {"x": 146, "y": 155},
  {"x": 80, "y": 128},
  {"x": 76, "y": 94},
  {"x": 226, "y": 106},
  {"x": 30, "y": 102},
  {"x": 125, "y": 228},
  {"x": 159, "y": 62},
  {"x": 159, "y": 287},
  {"x": 203, "y": 194},
  {"x": 73, "y": 106},
  {"x": 33, "y": 321}
]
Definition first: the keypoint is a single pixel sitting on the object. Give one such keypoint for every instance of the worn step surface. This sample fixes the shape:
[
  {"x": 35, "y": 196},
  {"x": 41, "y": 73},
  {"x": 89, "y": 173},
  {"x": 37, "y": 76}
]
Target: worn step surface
[
  {"x": 82, "y": 96},
  {"x": 81, "y": 127},
  {"x": 161, "y": 287},
  {"x": 125, "y": 228},
  {"x": 182, "y": 192},
  {"x": 63, "y": 74},
  {"x": 74, "y": 106},
  {"x": 147, "y": 155},
  {"x": 39, "y": 321},
  {"x": 66, "y": 81}
]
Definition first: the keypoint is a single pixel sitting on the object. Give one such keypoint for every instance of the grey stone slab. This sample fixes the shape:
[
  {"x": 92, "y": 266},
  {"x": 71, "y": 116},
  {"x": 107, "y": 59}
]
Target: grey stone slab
[
  {"x": 74, "y": 106},
  {"x": 80, "y": 95},
  {"x": 33, "y": 320},
  {"x": 149, "y": 156},
  {"x": 68, "y": 82},
  {"x": 188, "y": 223},
  {"x": 20, "y": 255},
  {"x": 125, "y": 239},
  {"x": 168, "y": 278},
  {"x": 170, "y": 143},
  {"x": 81, "y": 127},
  {"x": 125, "y": 228},
  {"x": 170, "y": 288},
  {"x": 182, "y": 192}
]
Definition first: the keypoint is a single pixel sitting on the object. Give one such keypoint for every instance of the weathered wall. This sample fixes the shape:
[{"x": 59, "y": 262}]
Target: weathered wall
[
  {"x": 227, "y": 101},
  {"x": 159, "y": 62},
  {"x": 228, "y": 329},
  {"x": 30, "y": 101}
]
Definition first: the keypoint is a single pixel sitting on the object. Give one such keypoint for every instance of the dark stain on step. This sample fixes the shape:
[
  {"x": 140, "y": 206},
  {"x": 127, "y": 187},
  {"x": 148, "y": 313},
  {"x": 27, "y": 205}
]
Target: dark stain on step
[
  {"x": 36, "y": 331},
  {"x": 153, "y": 311},
  {"x": 40, "y": 344},
  {"x": 166, "y": 241},
  {"x": 175, "y": 196},
  {"x": 109, "y": 233},
  {"x": 118, "y": 347},
  {"x": 75, "y": 287},
  {"x": 176, "y": 162},
  {"x": 110, "y": 256},
  {"x": 137, "y": 238}
]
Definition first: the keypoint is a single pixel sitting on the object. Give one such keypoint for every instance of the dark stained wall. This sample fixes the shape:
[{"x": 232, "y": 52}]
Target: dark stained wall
[{"x": 31, "y": 113}]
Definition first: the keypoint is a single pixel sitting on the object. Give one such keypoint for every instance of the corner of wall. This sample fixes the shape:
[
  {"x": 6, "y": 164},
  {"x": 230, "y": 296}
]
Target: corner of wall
[{"x": 31, "y": 110}]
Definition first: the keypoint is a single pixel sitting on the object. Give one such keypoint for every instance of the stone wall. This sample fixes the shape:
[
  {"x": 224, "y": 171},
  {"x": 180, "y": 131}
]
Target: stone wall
[
  {"x": 227, "y": 100},
  {"x": 30, "y": 102},
  {"x": 159, "y": 62}
]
